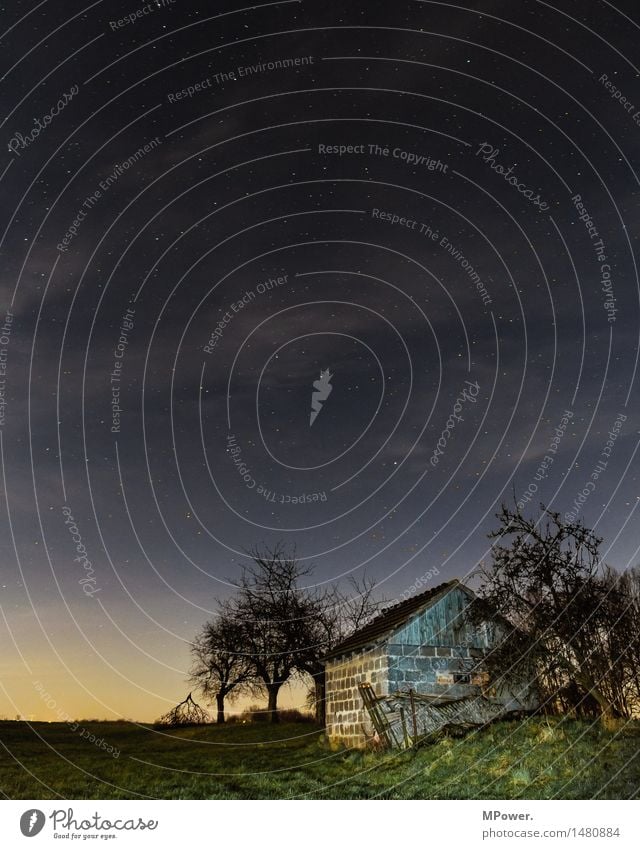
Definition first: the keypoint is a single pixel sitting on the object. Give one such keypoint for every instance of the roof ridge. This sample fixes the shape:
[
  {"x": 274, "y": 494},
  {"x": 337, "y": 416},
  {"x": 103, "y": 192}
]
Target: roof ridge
[
  {"x": 390, "y": 618},
  {"x": 417, "y": 596}
]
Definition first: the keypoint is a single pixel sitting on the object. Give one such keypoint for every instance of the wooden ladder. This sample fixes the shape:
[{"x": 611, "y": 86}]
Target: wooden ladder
[{"x": 377, "y": 715}]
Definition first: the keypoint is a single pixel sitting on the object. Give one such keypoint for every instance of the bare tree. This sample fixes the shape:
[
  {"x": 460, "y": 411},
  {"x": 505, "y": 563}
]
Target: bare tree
[
  {"x": 618, "y": 657},
  {"x": 632, "y": 583},
  {"x": 276, "y": 617},
  {"x": 274, "y": 629},
  {"x": 338, "y": 614},
  {"x": 558, "y": 609},
  {"x": 186, "y": 712},
  {"x": 220, "y": 668}
]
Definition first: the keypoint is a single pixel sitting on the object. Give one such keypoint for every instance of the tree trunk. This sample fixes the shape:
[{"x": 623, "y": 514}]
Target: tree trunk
[
  {"x": 319, "y": 680},
  {"x": 220, "y": 705},
  {"x": 606, "y": 708},
  {"x": 272, "y": 690}
]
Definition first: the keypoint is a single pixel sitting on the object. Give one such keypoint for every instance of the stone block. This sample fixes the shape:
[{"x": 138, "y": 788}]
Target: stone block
[{"x": 425, "y": 687}]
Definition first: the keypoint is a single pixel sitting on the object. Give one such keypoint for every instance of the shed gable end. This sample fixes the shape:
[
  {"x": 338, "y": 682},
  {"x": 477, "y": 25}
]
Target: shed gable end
[{"x": 442, "y": 624}]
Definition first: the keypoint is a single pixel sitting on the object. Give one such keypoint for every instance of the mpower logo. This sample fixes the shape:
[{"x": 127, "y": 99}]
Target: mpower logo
[{"x": 32, "y": 822}]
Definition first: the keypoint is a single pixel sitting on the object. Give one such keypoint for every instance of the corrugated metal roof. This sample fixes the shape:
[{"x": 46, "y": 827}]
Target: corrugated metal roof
[{"x": 391, "y": 618}]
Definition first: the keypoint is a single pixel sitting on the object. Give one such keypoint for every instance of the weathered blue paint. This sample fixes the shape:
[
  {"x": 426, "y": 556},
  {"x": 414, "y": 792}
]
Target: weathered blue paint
[
  {"x": 443, "y": 624},
  {"x": 434, "y": 652}
]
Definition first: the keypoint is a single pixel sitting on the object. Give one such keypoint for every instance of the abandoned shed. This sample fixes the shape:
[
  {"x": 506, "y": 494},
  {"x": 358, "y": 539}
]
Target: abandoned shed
[{"x": 423, "y": 646}]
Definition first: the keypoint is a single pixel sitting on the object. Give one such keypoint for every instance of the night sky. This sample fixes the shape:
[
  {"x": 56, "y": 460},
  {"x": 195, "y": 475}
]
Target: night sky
[{"x": 206, "y": 207}]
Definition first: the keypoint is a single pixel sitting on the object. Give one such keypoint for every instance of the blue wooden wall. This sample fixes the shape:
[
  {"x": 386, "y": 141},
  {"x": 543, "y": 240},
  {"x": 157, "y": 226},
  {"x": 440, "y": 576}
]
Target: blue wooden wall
[{"x": 443, "y": 624}]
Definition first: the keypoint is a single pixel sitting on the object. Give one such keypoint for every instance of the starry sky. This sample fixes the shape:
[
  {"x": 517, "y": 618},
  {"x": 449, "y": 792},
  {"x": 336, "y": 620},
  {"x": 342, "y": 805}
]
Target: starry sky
[{"x": 207, "y": 207}]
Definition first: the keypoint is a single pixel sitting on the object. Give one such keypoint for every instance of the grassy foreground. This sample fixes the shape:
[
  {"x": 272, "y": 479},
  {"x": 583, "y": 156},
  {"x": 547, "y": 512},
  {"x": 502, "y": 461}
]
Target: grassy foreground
[{"x": 534, "y": 759}]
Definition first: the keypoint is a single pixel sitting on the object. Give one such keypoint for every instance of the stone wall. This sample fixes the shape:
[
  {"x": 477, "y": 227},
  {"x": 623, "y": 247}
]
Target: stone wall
[
  {"x": 347, "y": 720},
  {"x": 436, "y": 670}
]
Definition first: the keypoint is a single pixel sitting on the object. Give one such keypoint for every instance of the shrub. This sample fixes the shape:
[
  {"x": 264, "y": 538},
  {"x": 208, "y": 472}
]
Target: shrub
[
  {"x": 294, "y": 715},
  {"x": 254, "y": 713}
]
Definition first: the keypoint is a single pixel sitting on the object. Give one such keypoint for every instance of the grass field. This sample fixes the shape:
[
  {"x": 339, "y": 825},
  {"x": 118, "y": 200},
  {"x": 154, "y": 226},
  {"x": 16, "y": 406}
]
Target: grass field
[{"x": 534, "y": 759}]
